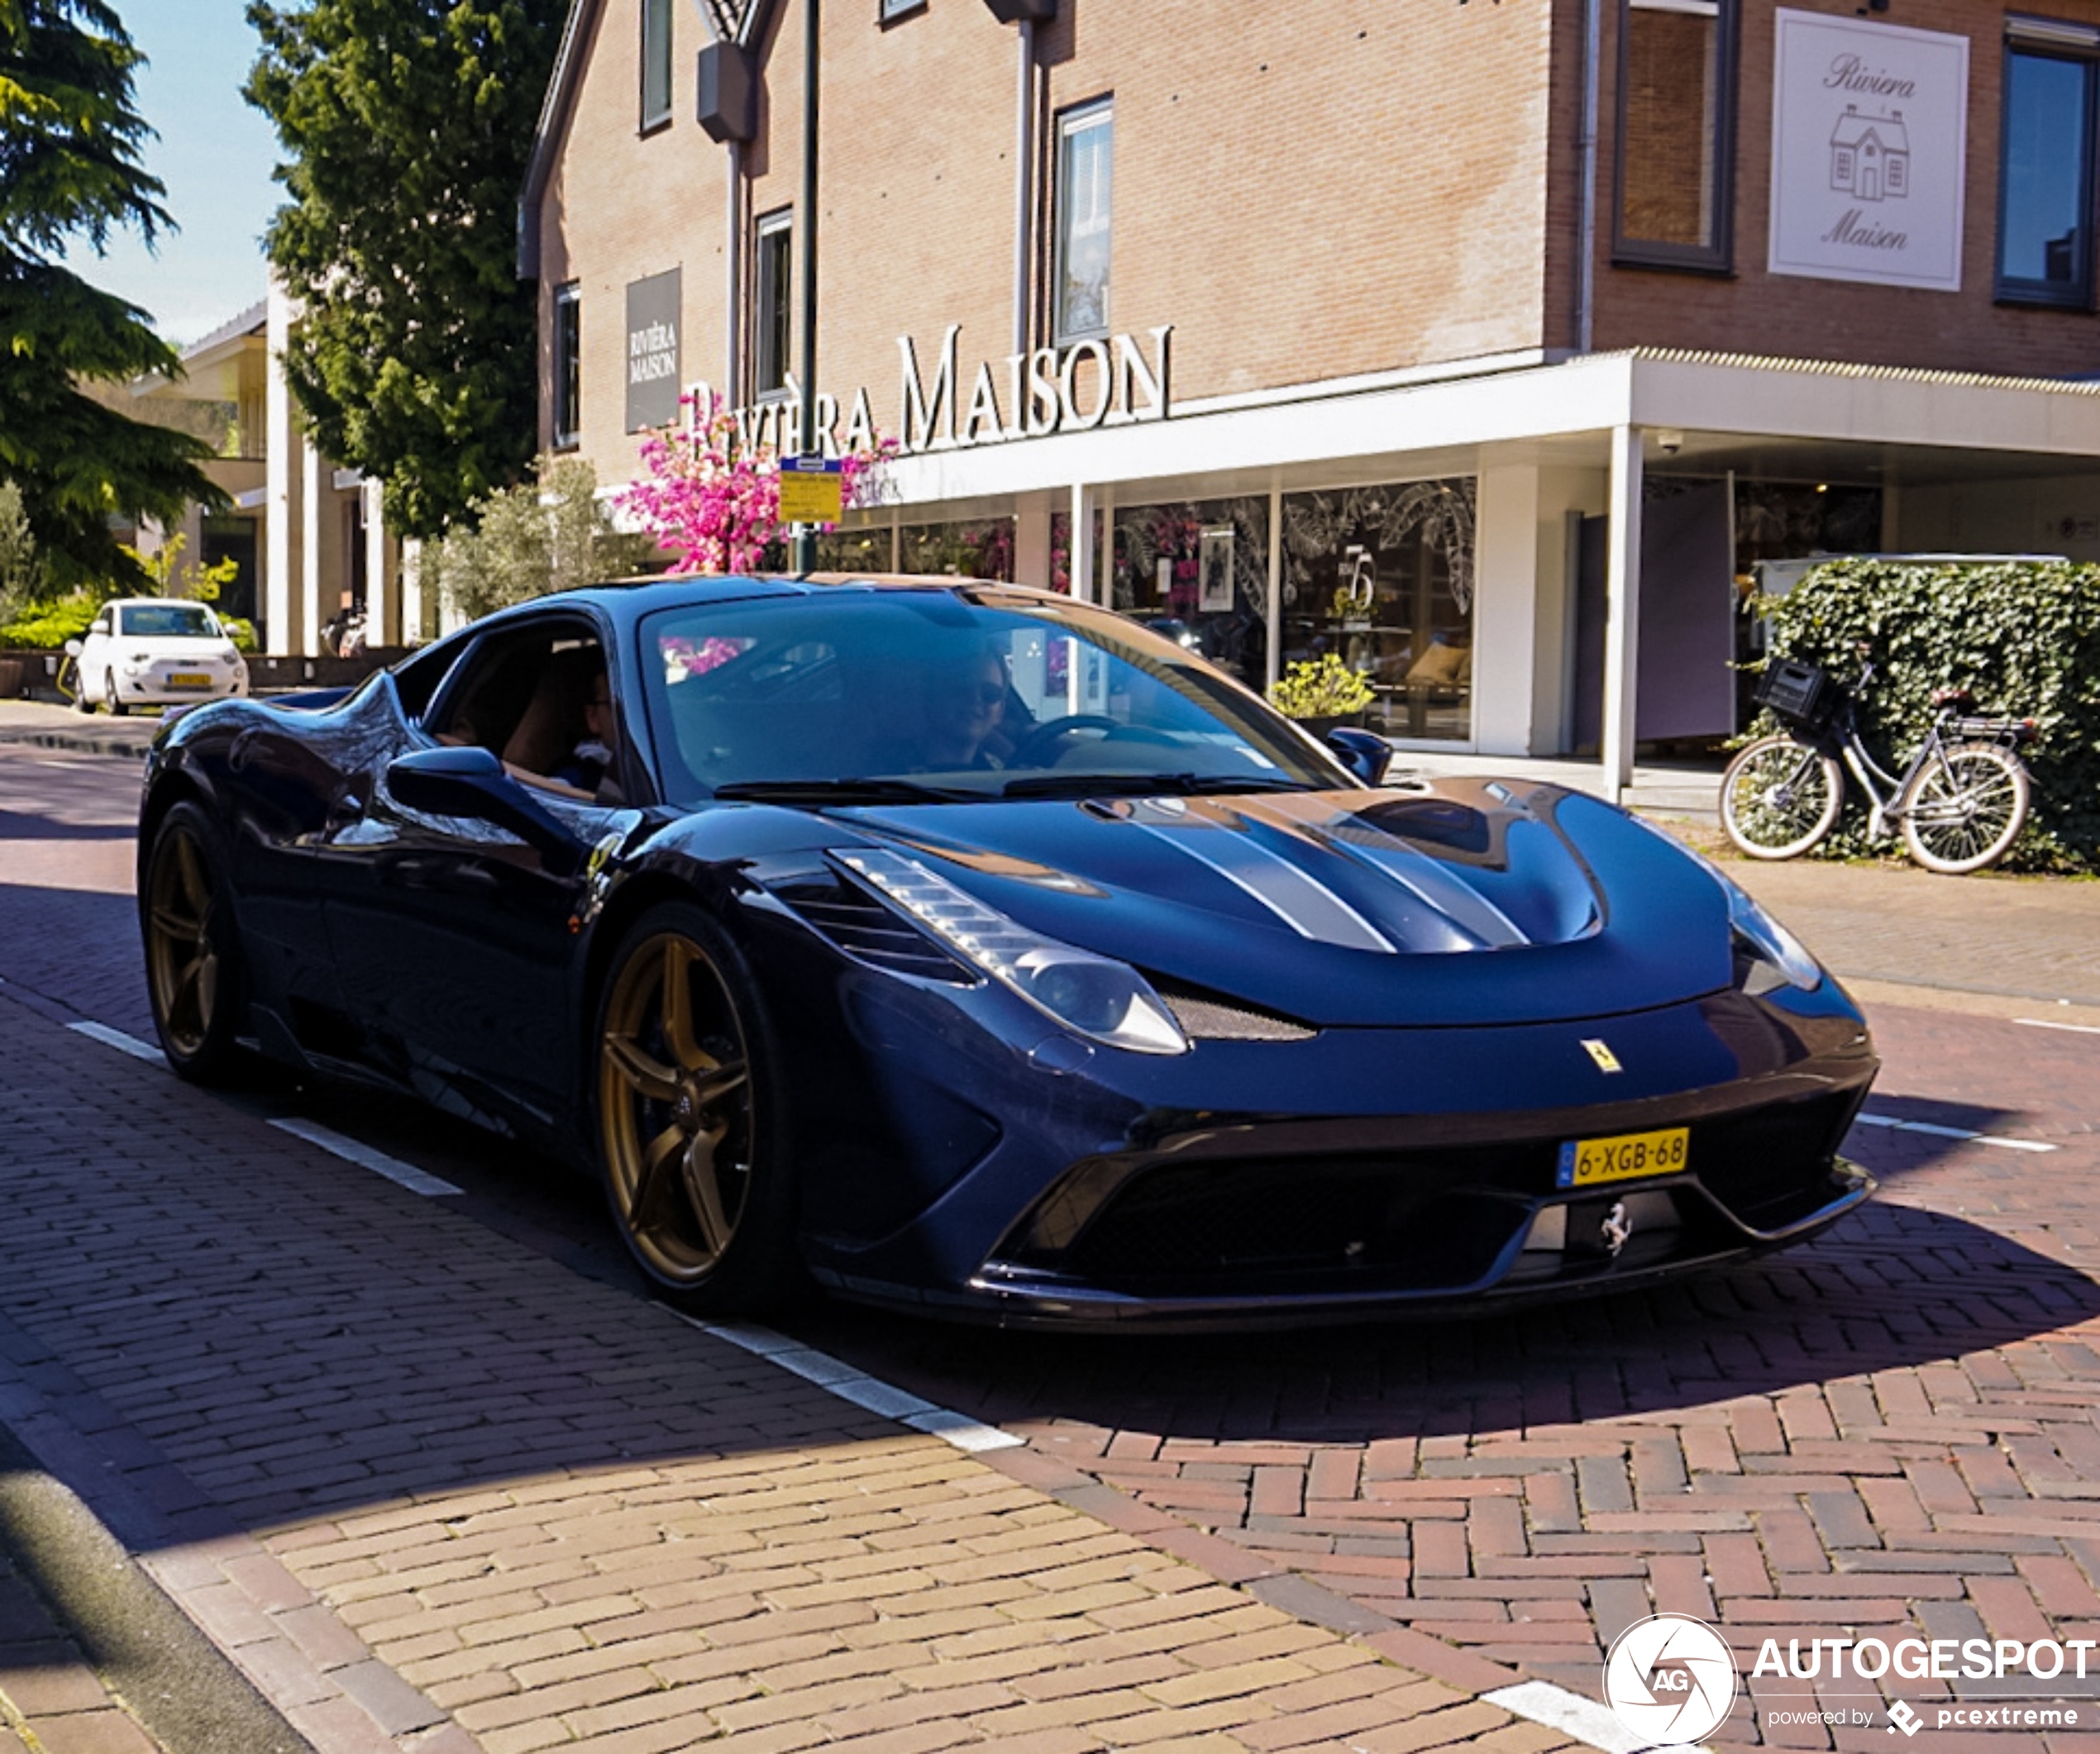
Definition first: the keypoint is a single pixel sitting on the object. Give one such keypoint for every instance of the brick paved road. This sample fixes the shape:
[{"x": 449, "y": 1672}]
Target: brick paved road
[{"x": 1899, "y": 1425}]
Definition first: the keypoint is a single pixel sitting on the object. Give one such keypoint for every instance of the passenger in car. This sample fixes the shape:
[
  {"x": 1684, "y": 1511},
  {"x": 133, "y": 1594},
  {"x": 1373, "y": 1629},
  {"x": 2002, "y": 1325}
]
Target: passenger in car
[{"x": 591, "y": 759}]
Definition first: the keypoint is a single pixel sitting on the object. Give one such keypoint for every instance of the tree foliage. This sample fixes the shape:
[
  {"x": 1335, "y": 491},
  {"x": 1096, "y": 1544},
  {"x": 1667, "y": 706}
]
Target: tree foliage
[
  {"x": 70, "y": 169},
  {"x": 540, "y": 537},
  {"x": 407, "y": 123},
  {"x": 2023, "y": 636}
]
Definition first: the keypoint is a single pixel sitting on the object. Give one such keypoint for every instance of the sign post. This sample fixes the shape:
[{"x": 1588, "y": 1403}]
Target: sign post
[{"x": 812, "y": 492}]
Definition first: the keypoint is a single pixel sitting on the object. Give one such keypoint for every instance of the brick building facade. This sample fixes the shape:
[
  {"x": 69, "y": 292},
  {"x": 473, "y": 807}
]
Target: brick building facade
[{"x": 1424, "y": 334}]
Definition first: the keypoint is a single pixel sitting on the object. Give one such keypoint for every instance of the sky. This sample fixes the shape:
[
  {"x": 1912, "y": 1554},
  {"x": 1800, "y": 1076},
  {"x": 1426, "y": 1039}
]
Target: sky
[{"x": 215, "y": 153}]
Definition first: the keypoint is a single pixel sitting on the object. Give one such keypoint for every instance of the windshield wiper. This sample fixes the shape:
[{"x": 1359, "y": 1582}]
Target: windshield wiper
[
  {"x": 839, "y": 792},
  {"x": 1135, "y": 785}
]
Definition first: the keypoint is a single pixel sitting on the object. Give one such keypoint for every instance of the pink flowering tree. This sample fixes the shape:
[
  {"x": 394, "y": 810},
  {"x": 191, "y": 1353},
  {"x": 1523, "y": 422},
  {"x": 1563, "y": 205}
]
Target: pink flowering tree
[{"x": 715, "y": 502}]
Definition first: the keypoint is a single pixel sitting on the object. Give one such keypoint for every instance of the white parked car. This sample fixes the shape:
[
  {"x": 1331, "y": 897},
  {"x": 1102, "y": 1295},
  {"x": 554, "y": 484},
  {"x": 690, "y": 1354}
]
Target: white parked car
[{"x": 150, "y": 651}]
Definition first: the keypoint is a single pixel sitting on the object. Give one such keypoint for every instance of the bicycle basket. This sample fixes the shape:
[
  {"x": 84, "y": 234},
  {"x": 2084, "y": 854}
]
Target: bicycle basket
[{"x": 1800, "y": 694}]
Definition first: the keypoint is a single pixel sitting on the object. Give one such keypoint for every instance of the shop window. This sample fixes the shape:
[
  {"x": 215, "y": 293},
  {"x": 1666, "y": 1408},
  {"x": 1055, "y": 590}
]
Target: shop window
[
  {"x": 1677, "y": 127},
  {"x": 1194, "y": 570},
  {"x": 2046, "y": 164},
  {"x": 1382, "y": 577},
  {"x": 773, "y": 305},
  {"x": 568, "y": 366},
  {"x": 1085, "y": 139},
  {"x": 976, "y": 548},
  {"x": 656, "y": 62}
]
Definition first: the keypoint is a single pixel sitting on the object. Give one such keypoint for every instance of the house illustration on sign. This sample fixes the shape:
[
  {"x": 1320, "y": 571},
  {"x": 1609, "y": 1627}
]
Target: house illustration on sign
[{"x": 1870, "y": 156}]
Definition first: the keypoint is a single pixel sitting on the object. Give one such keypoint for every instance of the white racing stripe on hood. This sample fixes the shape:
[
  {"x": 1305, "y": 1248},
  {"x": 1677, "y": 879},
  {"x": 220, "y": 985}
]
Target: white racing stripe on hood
[
  {"x": 1414, "y": 870},
  {"x": 1306, "y": 906}
]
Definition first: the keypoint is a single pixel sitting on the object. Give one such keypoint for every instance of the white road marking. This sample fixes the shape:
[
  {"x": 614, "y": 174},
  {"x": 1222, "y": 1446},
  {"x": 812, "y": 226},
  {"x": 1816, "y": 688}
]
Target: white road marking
[
  {"x": 1570, "y": 1713},
  {"x": 2043, "y": 1022},
  {"x": 402, "y": 1175},
  {"x": 850, "y": 1384},
  {"x": 117, "y": 1039},
  {"x": 1937, "y": 1131}
]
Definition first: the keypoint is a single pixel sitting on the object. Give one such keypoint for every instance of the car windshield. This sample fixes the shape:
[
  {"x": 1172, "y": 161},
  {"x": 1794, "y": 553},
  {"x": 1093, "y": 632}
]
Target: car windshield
[
  {"x": 893, "y": 695},
  {"x": 147, "y": 620}
]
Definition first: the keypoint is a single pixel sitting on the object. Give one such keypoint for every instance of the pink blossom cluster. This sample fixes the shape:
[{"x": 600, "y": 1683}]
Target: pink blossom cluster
[{"x": 714, "y": 502}]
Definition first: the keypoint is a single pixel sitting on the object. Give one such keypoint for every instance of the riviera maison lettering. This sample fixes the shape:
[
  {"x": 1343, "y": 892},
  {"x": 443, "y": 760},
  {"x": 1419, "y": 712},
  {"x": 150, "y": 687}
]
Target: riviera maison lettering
[
  {"x": 651, "y": 353},
  {"x": 1854, "y": 229},
  {"x": 1848, "y": 73},
  {"x": 1110, "y": 382}
]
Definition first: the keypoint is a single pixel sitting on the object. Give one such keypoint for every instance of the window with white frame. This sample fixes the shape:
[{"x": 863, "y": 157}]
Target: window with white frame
[
  {"x": 772, "y": 328},
  {"x": 568, "y": 366},
  {"x": 1085, "y": 139},
  {"x": 656, "y": 62}
]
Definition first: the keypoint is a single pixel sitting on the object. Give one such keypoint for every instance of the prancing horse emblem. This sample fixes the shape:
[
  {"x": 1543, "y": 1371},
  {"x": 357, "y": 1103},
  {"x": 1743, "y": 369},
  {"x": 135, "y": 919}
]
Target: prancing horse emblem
[
  {"x": 1616, "y": 1229},
  {"x": 1600, "y": 1052}
]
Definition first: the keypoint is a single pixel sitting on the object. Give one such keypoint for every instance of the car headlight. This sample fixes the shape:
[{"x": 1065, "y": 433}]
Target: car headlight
[
  {"x": 1776, "y": 954},
  {"x": 1094, "y": 996}
]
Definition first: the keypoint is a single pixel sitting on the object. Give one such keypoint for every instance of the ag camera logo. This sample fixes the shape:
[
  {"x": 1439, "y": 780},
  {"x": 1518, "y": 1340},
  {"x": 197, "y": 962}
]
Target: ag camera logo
[{"x": 1670, "y": 1679}]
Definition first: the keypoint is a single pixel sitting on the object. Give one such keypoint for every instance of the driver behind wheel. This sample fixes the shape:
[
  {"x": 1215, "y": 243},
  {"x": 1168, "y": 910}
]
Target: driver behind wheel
[{"x": 957, "y": 702}]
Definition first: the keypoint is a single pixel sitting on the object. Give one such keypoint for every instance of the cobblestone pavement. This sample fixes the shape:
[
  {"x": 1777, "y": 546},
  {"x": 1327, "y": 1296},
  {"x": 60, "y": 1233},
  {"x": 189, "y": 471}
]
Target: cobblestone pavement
[
  {"x": 330, "y": 1390},
  {"x": 51, "y": 1697}
]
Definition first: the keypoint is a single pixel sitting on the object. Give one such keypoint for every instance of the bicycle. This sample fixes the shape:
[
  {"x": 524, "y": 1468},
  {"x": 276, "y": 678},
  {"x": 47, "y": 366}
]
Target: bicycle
[{"x": 1959, "y": 804}]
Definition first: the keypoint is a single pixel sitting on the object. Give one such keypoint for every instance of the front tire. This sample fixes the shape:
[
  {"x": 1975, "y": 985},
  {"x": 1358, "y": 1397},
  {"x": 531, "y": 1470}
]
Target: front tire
[
  {"x": 1780, "y": 797},
  {"x": 117, "y": 709},
  {"x": 196, "y": 976},
  {"x": 691, "y": 1136},
  {"x": 1965, "y": 812}
]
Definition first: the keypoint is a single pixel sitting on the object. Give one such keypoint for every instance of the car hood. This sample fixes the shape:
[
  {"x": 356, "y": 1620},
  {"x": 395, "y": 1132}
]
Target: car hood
[{"x": 1470, "y": 901}]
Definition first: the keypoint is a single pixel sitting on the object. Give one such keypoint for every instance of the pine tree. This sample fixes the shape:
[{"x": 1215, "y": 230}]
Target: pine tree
[
  {"x": 407, "y": 123},
  {"x": 71, "y": 169}
]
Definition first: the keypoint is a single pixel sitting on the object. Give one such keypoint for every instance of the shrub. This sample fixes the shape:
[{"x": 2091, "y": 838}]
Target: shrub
[
  {"x": 541, "y": 536},
  {"x": 46, "y": 626},
  {"x": 2023, "y": 636},
  {"x": 1321, "y": 688}
]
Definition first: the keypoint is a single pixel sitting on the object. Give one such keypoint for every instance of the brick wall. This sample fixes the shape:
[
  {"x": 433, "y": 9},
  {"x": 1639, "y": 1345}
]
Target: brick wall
[
  {"x": 1306, "y": 192},
  {"x": 1295, "y": 194},
  {"x": 1756, "y": 312}
]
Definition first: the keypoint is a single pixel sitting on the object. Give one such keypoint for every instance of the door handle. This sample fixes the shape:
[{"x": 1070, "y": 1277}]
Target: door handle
[{"x": 443, "y": 874}]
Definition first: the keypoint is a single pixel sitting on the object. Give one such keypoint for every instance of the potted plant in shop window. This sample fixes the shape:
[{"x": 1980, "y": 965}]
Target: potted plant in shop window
[{"x": 1322, "y": 693}]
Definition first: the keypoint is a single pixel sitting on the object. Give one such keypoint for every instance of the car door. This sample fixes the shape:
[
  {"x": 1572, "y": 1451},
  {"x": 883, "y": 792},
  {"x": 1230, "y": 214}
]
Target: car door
[{"x": 456, "y": 932}]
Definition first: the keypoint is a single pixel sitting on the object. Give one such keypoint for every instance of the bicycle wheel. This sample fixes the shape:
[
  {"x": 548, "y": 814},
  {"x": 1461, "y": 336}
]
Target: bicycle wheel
[
  {"x": 1780, "y": 797},
  {"x": 1963, "y": 811}
]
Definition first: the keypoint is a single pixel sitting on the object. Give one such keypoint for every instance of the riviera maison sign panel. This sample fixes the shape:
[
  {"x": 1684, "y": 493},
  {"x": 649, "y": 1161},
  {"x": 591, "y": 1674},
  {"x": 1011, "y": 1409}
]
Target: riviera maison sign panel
[
  {"x": 652, "y": 384},
  {"x": 1870, "y": 127}
]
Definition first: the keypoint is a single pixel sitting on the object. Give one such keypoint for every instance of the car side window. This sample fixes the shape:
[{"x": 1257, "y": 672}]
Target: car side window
[{"x": 536, "y": 698}]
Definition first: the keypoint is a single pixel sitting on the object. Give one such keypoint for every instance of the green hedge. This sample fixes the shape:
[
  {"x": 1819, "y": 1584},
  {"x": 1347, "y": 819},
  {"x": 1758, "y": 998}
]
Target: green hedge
[
  {"x": 2022, "y": 636},
  {"x": 46, "y": 626}
]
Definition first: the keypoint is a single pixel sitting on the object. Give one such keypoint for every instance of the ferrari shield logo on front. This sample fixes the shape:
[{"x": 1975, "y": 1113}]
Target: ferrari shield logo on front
[
  {"x": 1670, "y": 1679},
  {"x": 1601, "y": 1052}
]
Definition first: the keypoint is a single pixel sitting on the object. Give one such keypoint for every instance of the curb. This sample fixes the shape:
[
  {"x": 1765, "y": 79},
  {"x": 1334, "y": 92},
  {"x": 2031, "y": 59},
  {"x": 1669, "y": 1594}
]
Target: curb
[{"x": 79, "y": 742}]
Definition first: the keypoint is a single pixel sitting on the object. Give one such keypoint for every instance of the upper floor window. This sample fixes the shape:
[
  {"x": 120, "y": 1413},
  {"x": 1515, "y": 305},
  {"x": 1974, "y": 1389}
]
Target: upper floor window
[
  {"x": 1677, "y": 133},
  {"x": 568, "y": 366},
  {"x": 773, "y": 304},
  {"x": 1085, "y": 139},
  {"x": 656, "y": 62},
  {"x": 897, "y": 8},
  {"x": 2045, "y": 163}
]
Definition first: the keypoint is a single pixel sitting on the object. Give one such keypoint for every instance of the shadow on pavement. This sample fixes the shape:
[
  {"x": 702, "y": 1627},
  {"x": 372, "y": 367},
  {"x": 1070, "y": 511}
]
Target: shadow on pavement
[{"x": 1891, "y": 1286}]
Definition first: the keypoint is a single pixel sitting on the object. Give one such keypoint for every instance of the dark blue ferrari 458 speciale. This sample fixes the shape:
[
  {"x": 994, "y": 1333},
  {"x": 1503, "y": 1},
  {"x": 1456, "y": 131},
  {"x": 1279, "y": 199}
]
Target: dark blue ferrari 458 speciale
[{"x": 958, "y": 946}]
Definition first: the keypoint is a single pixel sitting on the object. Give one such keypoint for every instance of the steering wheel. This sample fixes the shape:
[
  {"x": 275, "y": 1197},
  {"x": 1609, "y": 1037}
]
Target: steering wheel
[{"x": 1030, "y": 751}]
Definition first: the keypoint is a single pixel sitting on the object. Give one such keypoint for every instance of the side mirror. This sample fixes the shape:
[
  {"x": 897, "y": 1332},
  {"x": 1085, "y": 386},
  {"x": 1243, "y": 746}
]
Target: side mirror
[
  {"x": 1363, "y": 753},
  {"x": 74, "y": 648},
  {"x": 469, "y": 781}
]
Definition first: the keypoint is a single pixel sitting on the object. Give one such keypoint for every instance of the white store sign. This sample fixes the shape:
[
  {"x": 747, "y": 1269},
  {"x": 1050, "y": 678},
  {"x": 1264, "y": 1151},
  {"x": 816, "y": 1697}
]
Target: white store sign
[{"x": 1869, "y": 148}]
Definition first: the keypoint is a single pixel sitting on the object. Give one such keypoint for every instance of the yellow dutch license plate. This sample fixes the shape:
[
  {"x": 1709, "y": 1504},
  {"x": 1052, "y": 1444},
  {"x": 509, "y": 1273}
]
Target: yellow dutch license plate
[
  {"x": 188, "y": 678},
  {"x": 1586, "y": 1163}
]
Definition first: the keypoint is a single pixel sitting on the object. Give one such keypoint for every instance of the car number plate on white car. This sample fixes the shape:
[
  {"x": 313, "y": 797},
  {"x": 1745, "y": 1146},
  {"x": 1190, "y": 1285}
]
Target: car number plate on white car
[
  {"x": 1584, "y": 1163},
  {"x": 188, "y": 678}
]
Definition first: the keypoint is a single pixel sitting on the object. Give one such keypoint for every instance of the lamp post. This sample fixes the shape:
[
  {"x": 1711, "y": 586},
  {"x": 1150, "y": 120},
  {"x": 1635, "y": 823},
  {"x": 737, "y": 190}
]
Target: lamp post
[{"x": 805, "y": 535}]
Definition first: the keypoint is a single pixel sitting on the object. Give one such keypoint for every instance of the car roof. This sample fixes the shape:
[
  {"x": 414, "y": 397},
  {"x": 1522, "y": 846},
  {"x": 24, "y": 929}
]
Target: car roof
[{"x": 628, "y": 599}]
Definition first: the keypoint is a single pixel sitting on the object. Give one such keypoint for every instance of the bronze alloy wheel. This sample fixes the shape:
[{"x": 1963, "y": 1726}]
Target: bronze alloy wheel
[
  {"x": 183, "y": 962},
  {"x": 676, "y": 1114}
]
